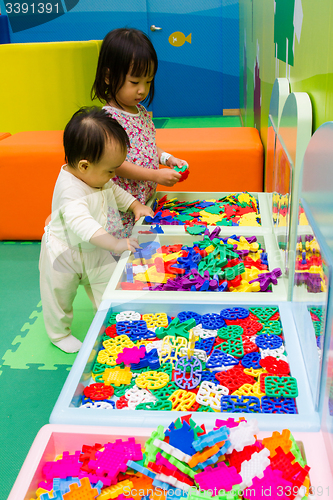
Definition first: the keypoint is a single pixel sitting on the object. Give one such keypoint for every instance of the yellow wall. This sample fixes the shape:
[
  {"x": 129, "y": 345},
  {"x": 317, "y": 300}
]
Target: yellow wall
[{"x": 45, "y": 83}]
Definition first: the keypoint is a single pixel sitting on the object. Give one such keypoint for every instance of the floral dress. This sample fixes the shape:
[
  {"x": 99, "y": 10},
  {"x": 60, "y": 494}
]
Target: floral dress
[{"x": 141, "y": 132}]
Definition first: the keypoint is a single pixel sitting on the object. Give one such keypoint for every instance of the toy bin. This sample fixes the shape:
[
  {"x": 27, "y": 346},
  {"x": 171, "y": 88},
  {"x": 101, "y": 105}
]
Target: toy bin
[
  {"x": 125, "y": 266},
  {"x": 52, "y": 440},
  {"x": 261, "y": 224},
  {"x": 69, "y": 406}
]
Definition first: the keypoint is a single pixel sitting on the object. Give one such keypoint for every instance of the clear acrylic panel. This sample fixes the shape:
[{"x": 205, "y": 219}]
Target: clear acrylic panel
[{"x": 310, "y": 300}]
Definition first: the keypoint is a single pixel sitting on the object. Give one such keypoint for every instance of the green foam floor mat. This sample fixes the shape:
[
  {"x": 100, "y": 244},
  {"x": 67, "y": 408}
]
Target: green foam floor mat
[
  {"x": 28, "y": 398},
  {"x": 197, "y": 122},
  {"x": 33, "y": 346}
]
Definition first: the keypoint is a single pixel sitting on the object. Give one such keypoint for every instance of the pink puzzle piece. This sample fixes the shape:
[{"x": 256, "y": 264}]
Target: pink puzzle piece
[
  {"x": 113, "y": 459},
  {"x": 68, "y": 465},
  {"x": 131, "y": 355},
  {"x": 222, "y": 477},
  {"x": 272, "y": 485},
  {"x": 231, "y": 422}
]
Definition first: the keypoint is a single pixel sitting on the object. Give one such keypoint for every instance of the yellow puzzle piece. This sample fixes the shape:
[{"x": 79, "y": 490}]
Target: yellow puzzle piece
[
  {"x": 117, "y": 376},
  {"x": 152, "y": 380},
  {"x": 182, "y": 400}
]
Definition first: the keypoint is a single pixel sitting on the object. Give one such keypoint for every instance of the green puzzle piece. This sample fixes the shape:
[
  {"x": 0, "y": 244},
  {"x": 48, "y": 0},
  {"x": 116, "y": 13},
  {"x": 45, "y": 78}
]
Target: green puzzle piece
[
  {"x": 263, "y": 313},
  {"x": 224, "y": 222},
  {"x": 271, "y": 328},
  {"x": 150, "y": 449},
  {"x": 233, "y": 346},
  {"x": 195, "y": 229},
  {"x": 281, "y": 387},
  {"x": 296, "y": 451},
  {"x": 34, "y": 345},
  {"x": 230, "y": 332},
  {"x": 183, "y": 217},
  {"x": 176, "y": 329},
  {"x": 318, "y": 311},
  {"x": 232, "y": 272},
  {"x": 155, "y": 406},
  {"x": 214, "y": 209}
]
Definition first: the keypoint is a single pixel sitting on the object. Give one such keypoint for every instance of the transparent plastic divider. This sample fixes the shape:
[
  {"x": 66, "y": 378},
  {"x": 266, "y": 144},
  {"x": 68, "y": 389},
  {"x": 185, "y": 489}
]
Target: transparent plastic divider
[
  {"x": 268, "y": 241},
  {"x": 265, "y": 209}
]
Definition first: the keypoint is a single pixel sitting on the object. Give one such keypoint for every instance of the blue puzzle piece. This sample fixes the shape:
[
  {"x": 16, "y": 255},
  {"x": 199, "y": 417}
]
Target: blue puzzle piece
[
  {"x": 63, "y": 484},
  {"x": 240, "y": 404},
  {"x": 211, "y": 438},
  {"x": 156, "y": 229},
  {"x": 136, "y": 327},
  {"x": 219, "y": 359},
  {"x": 209, "y": 377},
  {"x": 205, "y": 345},
  {"x": 129, "y": 273},
  {"x": 185, "y": 315},
  {"x": 205, "y": 286},
  {"x": 204, "y": 204},
  {"x": 191, "y": 261},
  {"x": 181, "y": 438},
  {"x": 139, "y": 468},
  {"x": 212, "y": 321},
  {"x": 251, "y": 360},
  {"x": 278, "y": 405},
  {"x": 153, "y": 220},
  {"x": 56, "y": 495},
  {"x": 264, "y": 258},
  {"x": 267, "y": 341},
  {"x": 161, "y": 485},
  {"x": 223, "y": 287},
  {"x": 233, "y": 313},
  {"x": 135, "y": 336},
  {"x": 214, "y": 458},
  {"x": 153, "y": 359},
  {"x": 146, "y": 250}
]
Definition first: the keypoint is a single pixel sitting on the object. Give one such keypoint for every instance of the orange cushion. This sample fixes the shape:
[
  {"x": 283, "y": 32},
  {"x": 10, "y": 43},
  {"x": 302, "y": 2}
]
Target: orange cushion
[
  {"x": 29, "y": 167},
  {"x": 220, "y": 159},
  {"x": 3, "y": 135}
]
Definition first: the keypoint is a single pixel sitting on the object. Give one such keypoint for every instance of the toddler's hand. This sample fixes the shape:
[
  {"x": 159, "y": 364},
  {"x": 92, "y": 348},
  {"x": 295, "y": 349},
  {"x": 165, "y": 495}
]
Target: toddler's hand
[
  {"x": 140, "y": 210},
  {"x": 167, "y": 177},
  {"x": 176, "y": 162},
  {"x": 126, "y": 244}
]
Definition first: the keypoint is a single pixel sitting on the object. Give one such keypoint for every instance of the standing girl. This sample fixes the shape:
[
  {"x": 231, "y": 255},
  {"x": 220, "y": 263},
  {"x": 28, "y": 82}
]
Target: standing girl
[{"x": 125, "y": 76}]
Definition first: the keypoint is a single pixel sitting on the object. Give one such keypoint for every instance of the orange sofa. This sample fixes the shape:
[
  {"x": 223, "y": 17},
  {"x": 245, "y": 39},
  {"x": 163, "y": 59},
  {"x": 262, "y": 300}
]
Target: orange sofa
[{"x": 220, "y": 159}]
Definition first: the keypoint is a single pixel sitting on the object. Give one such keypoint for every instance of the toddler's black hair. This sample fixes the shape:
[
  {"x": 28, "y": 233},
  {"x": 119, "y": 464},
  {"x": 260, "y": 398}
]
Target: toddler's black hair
[
  {"x": 87, "y": 132},
  {"x": 123, "y": 51}
]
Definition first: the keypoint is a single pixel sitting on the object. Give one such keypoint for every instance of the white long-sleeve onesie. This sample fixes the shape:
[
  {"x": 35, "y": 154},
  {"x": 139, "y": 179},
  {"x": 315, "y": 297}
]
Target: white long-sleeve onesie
[{"x": 67, "y": 257}]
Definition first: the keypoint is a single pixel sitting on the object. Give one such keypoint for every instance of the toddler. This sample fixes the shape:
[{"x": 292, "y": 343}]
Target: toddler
[
  {"x": 76, "y": 247},
  {"x": 125, "y": 77}
]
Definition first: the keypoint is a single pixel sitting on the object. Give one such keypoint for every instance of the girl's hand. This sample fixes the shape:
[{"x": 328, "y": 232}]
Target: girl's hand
[
  {"x": 167, "y": 177},
  {"x": 175, "y": 162},
  {"x": 140, "y": 210},
  {"x": 126, "y": 244}
]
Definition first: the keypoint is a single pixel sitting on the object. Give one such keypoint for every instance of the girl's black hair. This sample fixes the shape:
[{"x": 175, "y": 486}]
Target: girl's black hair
[
  {"x": 123, "y": 50},
  {"x": 86, "y": 134}
]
